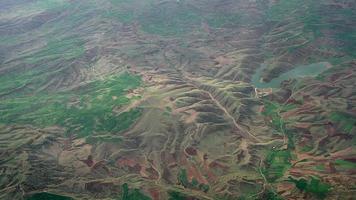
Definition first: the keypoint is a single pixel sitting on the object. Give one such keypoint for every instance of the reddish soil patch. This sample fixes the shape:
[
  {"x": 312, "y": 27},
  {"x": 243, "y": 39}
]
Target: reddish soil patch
[
  {"x": 194, "y": 173},
  {"x": 152, "y": 173},
  {"x": 216, "y": 165},
  {"x": 126, "y": 162},
  {"x": 285, "y": 188},
  {"x": 351, "y": 160},
  {"x": 132, "y": 165},
  {"x": 154, "y": 193},
  {"x": 191, "y": 151},
  {"x": 192, "y": 117},
  {"x": 302, "y": 125}
]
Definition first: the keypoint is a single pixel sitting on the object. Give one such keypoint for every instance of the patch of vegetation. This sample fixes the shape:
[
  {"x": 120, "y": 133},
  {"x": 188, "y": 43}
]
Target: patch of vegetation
[
  {"x": 344, "y": 164},
  {"x": 348, "y": 38},
  {"x": 126, "y": 16},
  {"x": 83, "y": 112},
  {"x": 306, "y": 12},
  {"x": 320, "y": 167},
  {"x": 219, "y": 20},
  {"x": 107, "y": 138},
  {"x": 282, "y": 9},
  {"x": 269, "y": 195},
  {"x": 45, "y": 5},
  {"x": 194, "y": 184},
  {"x": 66, "y": 48},
  {"x": 273, "y": 110},
  {"x": 47, "y": 196},
  {"x": 311, "y": 14},
  {"x": 227, "y": 197},
  {"x": 345, "y": 34},
  {"x": 314, "y": 186},
  {"x": 48, "y": 63},
  {"x": 170, "y": 19},
  {"x": 175, "y": 195},
  {"x": 313, "y": 19},
  {"x": 276, "y": 164},
  {"x": 344, "y": 120},
  {"x": 306, "y": 148},
  {"x": 132, "y": 194},
  {"x": 272, "y": 107},
  {"x": 9, "y": 40},
  {"x": 124, "y": 11},
  {"x": 168, "y": 111},
  {"x": 119, "y": 2},
  {"x": 183, "y": 178}
]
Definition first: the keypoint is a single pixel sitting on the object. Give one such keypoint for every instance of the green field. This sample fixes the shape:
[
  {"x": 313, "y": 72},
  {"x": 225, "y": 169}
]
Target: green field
[{"x": 87, "y": 110}]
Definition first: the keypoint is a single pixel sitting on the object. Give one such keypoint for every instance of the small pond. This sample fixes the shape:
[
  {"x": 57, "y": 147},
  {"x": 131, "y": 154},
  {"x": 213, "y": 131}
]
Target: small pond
[{"x": 300, "y": 71}]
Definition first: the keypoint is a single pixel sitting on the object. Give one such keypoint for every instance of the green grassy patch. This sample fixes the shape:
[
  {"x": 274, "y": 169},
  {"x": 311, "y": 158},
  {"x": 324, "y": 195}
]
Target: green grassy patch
[
  {"x": 126, "y": 16},
  {"x": 103, "y": 137},
  {"x": 306, "y": 148},
  {"x": 82, "y": 112},
  {"x": 47, "y": 196},
  {"x": 174, "y": 195},
  {"x": 124, "y": 11},
  {"x": 313, "y": 186},
  {"x": 306, "y": 12},
  {"x": 194, "y": 184},
  {"x": 9, "y": 40},
  {"x": 132, "y": 194},
  {"x": 219, "y": 20},
  {"x": 344, "y": 164},
  {"x": 282, "y": 10},
  {"x": 273, "y": 110},
  {"x": 320, "y": 167},
  {"x": 66, "y": 48},
  {"x": 50, "y": 4},
  {"x": 277, "y": 163},
  {"x": 345, "y": 121},
  {"x": 170, "y": 19}
]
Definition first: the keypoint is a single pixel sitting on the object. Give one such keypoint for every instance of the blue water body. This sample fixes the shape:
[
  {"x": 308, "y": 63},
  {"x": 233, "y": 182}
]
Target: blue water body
[{"x": 300, "y": 71}]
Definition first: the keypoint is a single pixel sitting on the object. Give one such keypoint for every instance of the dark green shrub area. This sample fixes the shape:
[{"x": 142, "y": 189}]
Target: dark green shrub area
[
  {"x": 313, "y": 186},
  {"x": 269, "y": 195},
  {"x": 174, "y": 195},
  {"x": 194, "y": 184},
  {"x": 132, "y": 194},
  {"x": 48, "y": 196}
]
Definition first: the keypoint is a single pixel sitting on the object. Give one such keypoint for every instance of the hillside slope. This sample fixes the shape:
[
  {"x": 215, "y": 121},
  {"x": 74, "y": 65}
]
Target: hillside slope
[{"x": 177, "y": 99}]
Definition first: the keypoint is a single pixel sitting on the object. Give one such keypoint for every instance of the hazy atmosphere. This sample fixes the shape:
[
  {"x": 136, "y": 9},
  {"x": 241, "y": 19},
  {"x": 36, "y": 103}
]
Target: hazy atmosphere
[{"x": 177, "y": 99}]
